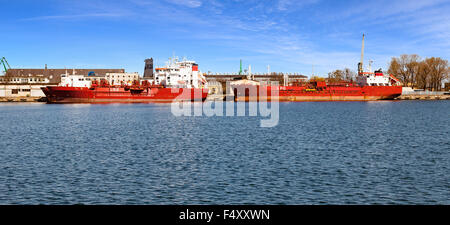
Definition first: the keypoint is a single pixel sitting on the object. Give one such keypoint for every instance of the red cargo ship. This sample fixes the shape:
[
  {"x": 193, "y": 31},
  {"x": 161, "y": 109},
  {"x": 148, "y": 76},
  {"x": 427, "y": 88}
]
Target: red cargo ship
[
  {"x": 106, "y": 93},
  {"x": 316, "y": 91},
  {"x": 370, "y": 86},
  {"x": 179, "y": 81}
]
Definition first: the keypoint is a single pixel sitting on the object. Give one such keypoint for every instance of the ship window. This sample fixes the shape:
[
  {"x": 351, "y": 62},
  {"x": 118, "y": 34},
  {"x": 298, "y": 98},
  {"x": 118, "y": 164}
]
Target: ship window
[{"x": 15, "y": 91}]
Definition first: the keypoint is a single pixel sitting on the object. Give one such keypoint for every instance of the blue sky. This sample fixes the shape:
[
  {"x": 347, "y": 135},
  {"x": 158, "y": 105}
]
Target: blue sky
[{"x": 288, "y": 35}]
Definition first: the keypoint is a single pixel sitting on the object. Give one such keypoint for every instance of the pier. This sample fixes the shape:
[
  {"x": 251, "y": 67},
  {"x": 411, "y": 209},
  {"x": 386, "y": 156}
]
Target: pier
[
  {"x": 22, "y": 99},
  {"x": 410, "y": 94},
  {"x": 423, "y": 97}
]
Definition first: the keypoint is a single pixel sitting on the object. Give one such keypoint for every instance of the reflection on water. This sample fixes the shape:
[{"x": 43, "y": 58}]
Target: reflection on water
[{"x": 320, "y": 153}]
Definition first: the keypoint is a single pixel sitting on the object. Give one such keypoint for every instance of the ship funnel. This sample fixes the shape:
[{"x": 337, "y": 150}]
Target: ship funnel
[{"x": 148, "y": 71}]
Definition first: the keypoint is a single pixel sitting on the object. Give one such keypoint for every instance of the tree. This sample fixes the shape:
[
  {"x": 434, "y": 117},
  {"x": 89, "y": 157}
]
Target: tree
[
  {"x": 432, "y": 72},
  {"x": 405, "y": 68},
  {"x": 317, "y": 78},
  {"x": 425, "y": 74},
  {"x": 412, "y": 68},
  {"x": 422, "y": 78},
  {"x": 349, "y": 75},
  {"x": 341, "y": 75},
  {"x": 336, "y": 76},
  {"x": 438, "y": 69}
]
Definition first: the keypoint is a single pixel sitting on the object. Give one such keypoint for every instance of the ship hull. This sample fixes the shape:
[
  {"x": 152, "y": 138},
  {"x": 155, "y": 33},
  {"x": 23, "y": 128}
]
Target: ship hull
[
  {"x": 122, "y": 95},
  {"x": 299, "y": 94}
]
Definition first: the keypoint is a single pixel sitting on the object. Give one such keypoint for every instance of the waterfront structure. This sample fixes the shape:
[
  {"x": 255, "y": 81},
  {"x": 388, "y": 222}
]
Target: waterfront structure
[
  {"x": 27, "y": 82},
  {"x": 12, "y": 87},
  {"x": 54, "y": 75},
  {"x": 12, "y": 91}
]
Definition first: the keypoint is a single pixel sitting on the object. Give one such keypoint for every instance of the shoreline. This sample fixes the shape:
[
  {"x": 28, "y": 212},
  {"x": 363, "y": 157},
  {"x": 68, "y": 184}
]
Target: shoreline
[
  {"x": 21, "y": 99},
  {"x": 423, "y": 97},
  {"x": 402, "y": 97}
]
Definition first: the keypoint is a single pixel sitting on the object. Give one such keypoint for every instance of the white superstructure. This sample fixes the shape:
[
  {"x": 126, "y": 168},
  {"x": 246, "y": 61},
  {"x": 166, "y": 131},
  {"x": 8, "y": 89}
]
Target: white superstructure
[
  {"x": 86, "y": 81},
  {"x": 178, "y": 73},
  {"x": 75, "y": 81},
  {"x": 377, "y": 78}
]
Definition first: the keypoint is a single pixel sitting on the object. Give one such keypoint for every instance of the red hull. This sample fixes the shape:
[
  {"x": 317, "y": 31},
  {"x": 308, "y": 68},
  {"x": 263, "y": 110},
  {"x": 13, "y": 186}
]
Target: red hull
[
  {"x": 330, "y": 93},
  {"x": 122, "y": 95}
]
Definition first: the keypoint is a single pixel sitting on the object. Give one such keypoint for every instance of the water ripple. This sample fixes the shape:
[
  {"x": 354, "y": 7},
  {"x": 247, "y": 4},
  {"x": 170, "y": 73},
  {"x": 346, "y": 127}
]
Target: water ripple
[{"x": 320, "y": 153}]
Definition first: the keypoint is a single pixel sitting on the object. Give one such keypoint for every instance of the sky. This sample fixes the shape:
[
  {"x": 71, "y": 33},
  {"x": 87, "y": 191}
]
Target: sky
[{"x": 296, "y": 36}]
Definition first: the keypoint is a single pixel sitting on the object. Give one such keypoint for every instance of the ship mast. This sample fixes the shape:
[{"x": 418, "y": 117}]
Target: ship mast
[{"x": 360, "y": 64}]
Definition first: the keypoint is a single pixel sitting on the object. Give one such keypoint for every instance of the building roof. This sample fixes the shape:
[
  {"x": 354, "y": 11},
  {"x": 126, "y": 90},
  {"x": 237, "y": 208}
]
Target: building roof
[{"x": 55, "y": 74}]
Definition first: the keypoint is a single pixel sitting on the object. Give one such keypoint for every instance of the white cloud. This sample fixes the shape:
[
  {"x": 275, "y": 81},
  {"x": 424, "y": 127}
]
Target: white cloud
[
  {"x": 269, "y": 35},
  {"x": 284, "y": 5},
  {"x": 75, "y": 17},
  {"x": 188, "y": 3}
]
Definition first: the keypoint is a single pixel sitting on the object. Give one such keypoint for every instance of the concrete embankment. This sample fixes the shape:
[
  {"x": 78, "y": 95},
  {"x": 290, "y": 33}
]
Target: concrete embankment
[
  {"x": 22, "y": 99},
  {"x": 411, "y": 94},
  {"x": 424, "y": 97}
]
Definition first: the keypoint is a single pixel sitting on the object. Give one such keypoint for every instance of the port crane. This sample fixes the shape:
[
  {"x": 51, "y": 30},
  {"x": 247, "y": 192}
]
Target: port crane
[{"x": 5, "y": 63}]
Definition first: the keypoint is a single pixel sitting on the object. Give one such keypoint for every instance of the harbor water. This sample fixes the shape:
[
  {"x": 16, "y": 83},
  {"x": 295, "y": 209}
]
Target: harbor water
[{"x": 385, "y": 152}]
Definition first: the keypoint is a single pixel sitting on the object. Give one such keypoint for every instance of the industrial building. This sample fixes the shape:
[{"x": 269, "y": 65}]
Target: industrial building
[{"x": 25, "y": 84}]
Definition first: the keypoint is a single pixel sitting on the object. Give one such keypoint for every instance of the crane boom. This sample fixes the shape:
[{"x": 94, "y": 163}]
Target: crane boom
[
  {"x": 360, "y": 64},
  {"x": 5, "y": 63},
  {"x": 362, "y": 51}
]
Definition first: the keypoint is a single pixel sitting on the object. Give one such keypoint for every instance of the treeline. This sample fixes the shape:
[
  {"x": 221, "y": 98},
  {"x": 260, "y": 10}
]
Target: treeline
[
  {"x": 342, "y": 75},
  {"x": 429, "y": 73}
]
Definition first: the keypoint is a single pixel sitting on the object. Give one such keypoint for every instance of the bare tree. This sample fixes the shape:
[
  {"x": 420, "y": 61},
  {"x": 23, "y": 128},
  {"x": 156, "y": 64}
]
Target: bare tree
[
  {"x": 432, "y": 72},
  {"x": 317, "y": 78},
  {"x": 336, "y": 76},
  {"x": 341, "y": 75},
  {"x": 349, "y": 75},
  {"x": 412, "y": 68},
  {"x": 423, "y": 76},
  {"x": 438, "y": 72},
  {"x": 405, "y": 68}
]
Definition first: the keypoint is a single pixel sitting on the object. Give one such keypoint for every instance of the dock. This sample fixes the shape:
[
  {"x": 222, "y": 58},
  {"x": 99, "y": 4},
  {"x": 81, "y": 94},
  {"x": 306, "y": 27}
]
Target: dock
[
  {"x": 22, "y": 99},
  {"x": 410, "y": 94},
  {"x": 423, "y": 97}
]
